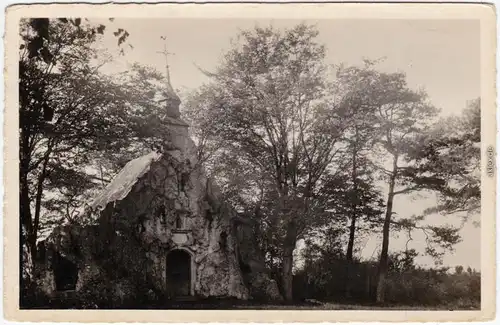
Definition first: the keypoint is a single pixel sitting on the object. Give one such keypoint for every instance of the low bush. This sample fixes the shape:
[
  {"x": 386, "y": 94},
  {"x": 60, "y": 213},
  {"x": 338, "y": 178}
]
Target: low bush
[{"x": 341, "y": 282}]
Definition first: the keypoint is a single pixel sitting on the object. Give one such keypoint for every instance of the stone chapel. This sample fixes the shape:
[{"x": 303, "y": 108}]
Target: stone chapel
[{"x": 160, "y": 223}]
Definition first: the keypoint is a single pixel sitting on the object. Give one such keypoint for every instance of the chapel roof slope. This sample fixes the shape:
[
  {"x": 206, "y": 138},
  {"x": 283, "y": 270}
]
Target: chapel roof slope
[{"x": 122, "y": 183}]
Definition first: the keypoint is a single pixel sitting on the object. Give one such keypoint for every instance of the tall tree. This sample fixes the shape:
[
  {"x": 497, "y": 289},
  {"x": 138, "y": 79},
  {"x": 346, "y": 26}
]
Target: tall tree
[
  {"x": 70, "y": 114},
  {"x": 358, "y": 173},
  {"x": 401, "y": 116},
  {"x": 355, "y": 203},
  {"x": 454, "y": 145},
  {"x": 56, "y": 81},
  {"x": 268, "y": 100},
  {"x": 449, "y": 151}
]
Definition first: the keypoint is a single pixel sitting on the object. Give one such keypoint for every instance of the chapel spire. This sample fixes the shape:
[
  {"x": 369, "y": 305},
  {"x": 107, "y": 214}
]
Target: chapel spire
[{"x": 172, "y": 101}]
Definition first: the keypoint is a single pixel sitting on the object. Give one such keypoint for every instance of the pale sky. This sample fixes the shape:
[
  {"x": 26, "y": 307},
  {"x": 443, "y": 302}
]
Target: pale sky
[{"x": 441, "y": 56}]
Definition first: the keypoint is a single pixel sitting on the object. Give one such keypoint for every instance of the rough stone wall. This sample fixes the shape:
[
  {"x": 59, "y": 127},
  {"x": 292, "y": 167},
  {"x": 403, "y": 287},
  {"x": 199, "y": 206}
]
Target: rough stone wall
[
  {"x": 175, "y": 188},
  {"x": 136, "y": 228}
]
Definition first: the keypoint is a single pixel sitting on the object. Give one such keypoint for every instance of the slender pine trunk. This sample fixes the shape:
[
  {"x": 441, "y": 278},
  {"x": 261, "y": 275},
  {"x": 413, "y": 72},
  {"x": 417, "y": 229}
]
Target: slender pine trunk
[
  {"x": 384, "y": 254},
  {"x": 353, "y": 217},
  {"x": 25, "y": 224},
  {"x": 352, "y": 235},
  {"x": 354, "y": 197},
  {"x": 33, "y": 235}
]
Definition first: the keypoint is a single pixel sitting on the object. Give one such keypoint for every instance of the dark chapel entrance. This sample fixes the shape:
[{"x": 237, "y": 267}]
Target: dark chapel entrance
[{"x": 179, "y": 273}]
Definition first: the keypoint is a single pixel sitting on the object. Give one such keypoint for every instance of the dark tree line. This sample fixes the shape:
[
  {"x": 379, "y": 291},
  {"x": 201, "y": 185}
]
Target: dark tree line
[{"x": 306, "y": 149}]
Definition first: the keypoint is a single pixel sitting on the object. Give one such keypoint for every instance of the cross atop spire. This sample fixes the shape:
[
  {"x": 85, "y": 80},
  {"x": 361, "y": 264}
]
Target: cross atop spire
[
  {"x": 166, "y": 53},
  {"x": 172, "y": 100}
]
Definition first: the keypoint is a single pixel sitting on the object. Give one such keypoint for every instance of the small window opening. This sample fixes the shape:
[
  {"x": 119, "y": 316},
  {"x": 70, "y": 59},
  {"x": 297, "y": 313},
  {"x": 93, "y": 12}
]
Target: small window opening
[
  {"x": 209, "y": 216},
  {"x": 178, "y": 222},
  {"x": 162, "y": 214},
  {"x": 184, "y": 179},
  {"x": 223, "y": 240}
]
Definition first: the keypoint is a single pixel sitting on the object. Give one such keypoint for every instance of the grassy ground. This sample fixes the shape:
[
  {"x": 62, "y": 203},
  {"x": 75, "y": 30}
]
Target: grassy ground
[{"x": 332, "y": 306}]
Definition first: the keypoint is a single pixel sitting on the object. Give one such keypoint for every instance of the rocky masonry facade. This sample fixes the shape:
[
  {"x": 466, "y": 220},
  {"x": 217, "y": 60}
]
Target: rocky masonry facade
[{"x": 160, "y": 227}]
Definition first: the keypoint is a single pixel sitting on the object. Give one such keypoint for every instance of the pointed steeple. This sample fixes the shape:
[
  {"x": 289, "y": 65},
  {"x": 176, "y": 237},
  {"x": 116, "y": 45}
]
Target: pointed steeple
[{"x": 171, "y": 100}]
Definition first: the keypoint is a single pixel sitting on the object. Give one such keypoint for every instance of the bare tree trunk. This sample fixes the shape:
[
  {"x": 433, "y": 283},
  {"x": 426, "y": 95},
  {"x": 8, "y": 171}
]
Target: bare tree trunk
[
  {"x": 25, "y": 227},
  {"x": 288, "y": 248},
  {"x": 33, "y": 235},
  {"x": 349, "y": 257},
  {"x": 24, "y": 209},
  {"x": 352, "y": 228},
  {"x": 25, "y": 224},
  {"x": 384, "y": 254},
  {"x": 352, "y": 233},
  {"x": 382, "y": 270},
  {"x": 353, "y": 216}
]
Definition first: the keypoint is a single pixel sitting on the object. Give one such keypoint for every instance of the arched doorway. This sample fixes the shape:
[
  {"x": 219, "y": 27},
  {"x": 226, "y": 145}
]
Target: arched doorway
[{"x": 179, "y": 275}]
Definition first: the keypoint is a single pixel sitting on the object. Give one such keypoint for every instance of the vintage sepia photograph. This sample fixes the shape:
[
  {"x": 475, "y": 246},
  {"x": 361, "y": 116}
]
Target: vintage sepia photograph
[{"x": 250, "y": 163}]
